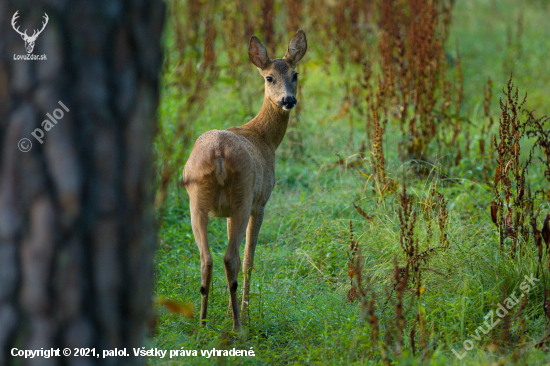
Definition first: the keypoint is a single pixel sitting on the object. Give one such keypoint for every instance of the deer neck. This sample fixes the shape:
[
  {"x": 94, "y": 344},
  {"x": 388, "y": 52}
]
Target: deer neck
[{"x": 271, "y": 122}]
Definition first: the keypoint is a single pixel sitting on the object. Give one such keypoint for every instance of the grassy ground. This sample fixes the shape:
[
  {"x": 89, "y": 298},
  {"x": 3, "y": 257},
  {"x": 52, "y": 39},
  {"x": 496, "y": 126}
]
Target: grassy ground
[{"x": 299, "y": 313}]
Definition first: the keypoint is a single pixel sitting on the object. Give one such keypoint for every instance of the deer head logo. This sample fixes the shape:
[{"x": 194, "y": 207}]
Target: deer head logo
[{"x": 29, "y": 40}]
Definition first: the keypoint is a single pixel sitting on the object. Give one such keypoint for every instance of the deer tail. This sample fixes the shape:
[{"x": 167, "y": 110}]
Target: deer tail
[{"x": 221, "y": 169}]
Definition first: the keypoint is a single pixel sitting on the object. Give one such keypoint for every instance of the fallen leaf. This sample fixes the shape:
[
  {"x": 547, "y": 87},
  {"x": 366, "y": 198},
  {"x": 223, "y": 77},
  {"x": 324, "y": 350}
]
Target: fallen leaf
[{"x": 175, "y": 307}]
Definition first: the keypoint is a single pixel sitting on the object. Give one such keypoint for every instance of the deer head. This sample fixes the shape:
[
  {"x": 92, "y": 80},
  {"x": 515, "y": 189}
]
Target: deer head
[
  {"x": 29, "y": 40},
  {"x": 281, "y": 81}
]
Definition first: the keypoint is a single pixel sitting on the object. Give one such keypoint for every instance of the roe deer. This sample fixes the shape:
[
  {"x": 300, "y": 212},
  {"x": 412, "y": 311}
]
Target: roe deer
[{"x": 231, "y": 173}]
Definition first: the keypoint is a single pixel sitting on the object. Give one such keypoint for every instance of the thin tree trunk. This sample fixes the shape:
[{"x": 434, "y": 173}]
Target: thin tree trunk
[{"x": 77, "y": 232}]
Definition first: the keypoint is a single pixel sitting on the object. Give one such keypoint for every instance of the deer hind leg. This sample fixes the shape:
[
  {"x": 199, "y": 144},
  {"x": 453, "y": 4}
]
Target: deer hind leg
[
  {"x": 199, "y": 221},
  {"x": 252, "y": 233},
  {"x": 236, "y": 228}
]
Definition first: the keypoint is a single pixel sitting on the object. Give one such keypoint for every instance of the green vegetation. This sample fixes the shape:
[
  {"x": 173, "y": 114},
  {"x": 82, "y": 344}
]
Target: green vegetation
[{"x": 299, "y": 309}]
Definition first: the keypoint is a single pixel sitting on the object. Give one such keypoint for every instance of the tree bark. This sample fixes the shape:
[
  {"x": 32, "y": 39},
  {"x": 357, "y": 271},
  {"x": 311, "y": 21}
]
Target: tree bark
[{"x": 77, "y": 234}]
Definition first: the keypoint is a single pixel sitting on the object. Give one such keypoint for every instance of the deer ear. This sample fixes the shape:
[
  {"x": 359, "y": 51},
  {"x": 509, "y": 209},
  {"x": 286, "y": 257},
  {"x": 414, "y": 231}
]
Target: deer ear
[
  {"x": 257, "y": 53},
  {"x": 296, "y": 48}
]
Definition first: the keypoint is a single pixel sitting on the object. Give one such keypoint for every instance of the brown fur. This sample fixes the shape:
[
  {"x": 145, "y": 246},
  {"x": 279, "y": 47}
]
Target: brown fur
[{"x": 231, "y": 173}]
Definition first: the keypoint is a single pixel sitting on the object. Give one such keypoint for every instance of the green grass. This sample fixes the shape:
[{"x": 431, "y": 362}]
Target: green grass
[{"x": 299, "y": 313}]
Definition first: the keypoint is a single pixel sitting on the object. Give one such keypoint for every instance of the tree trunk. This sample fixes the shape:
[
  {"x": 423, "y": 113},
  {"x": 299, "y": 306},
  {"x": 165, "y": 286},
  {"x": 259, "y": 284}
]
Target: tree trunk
[{"x": 77, "y": 235}]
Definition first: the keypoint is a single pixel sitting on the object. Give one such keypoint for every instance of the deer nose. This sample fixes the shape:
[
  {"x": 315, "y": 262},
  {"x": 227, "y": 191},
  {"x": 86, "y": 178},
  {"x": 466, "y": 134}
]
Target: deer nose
[{"x": 289, "y": 102}]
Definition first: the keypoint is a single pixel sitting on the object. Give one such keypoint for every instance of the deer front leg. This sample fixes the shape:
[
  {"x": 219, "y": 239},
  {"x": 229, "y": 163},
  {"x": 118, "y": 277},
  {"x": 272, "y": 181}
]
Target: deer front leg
[
  {"x": 236, "y": 228},
  {"x": 199, "y": 221},
  {"x": 252, "y": 233}
]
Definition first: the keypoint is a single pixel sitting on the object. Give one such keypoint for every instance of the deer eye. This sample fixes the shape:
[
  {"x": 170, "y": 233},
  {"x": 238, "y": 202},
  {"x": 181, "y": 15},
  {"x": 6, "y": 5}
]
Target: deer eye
[
  {"x": 295, "y": 77},
  {"x": 269, "y": 79}
]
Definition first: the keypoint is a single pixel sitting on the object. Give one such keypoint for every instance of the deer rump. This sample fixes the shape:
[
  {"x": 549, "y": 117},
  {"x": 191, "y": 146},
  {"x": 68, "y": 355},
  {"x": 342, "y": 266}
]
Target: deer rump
[{"x": 224, "y": 167}]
